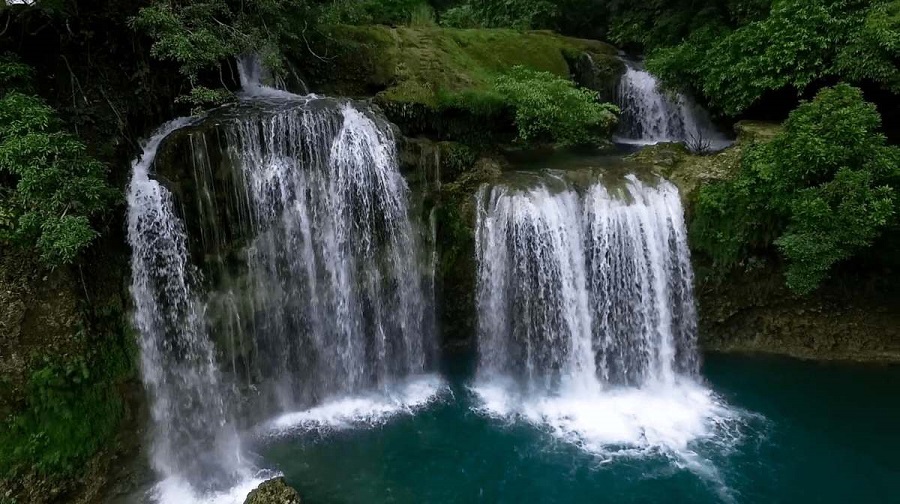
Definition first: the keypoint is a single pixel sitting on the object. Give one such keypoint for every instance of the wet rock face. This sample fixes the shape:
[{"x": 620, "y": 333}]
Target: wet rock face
[
  {"x": 598, "y": 72},
  {"x": 751, "y": 310},
  {"x": 273, "y": 491}
]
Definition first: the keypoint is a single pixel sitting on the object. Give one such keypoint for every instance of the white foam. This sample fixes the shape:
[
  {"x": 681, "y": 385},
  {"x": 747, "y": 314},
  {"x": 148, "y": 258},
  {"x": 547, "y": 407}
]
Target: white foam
[
  {"x": 363, "y": 410},
  {"x": 620, "y": 421},
  {"x": 175, "y": 490}
]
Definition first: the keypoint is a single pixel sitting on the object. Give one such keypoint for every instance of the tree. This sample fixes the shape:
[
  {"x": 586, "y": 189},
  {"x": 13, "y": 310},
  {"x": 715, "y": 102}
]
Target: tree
[
  {"x": 53, "y": 186},
  {"x": 820, "y": 192}
]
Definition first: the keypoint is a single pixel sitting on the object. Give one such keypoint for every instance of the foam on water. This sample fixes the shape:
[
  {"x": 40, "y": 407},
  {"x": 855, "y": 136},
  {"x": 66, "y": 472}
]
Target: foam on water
[
  {"x": 364, "y": 410},
  {"x": 175, "y": 490},
  {"x": 620, "y": 421}
]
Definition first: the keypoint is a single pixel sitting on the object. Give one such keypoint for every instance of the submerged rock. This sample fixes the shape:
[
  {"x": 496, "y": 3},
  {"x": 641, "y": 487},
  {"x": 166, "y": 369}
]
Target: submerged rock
[{"x": 273, "y": 491}]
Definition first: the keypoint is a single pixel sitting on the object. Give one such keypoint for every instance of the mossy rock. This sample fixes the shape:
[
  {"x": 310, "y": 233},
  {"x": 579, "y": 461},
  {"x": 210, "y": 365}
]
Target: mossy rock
[
  {"x": 456, "y": 244},
  {"x": 690, "y": 171},
  {"x": 273, "y": 491},
  {"x": 438, "y": 81}
]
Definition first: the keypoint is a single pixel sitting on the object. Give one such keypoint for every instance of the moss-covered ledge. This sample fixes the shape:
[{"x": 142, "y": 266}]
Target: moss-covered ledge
[{"x": 437, "y": 81}]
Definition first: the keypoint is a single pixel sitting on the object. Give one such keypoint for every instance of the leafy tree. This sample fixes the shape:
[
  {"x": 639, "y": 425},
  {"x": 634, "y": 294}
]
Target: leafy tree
[
  {"x": 548, "y": 107},
  {"x": 52, "y": 186},
  {"x": 799, "y": 43},
  {"x": 821, "y": 191}
]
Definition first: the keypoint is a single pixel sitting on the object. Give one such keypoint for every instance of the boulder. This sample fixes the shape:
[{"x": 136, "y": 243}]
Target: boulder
[{"x": 273, "y": 491}]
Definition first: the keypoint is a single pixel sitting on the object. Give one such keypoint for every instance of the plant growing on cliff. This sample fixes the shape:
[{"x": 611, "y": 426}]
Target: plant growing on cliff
[
  {"x": 53, "y": 187},
  {"x": 820, "y": 192},
  {"x": 550, "y": 108}
]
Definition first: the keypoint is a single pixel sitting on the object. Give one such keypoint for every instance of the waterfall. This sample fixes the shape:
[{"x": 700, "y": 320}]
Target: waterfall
[
  {"x": 586, "y": 318},
  {"x": 258, "y": 81},
  {"x": 188, "y": 406},
  {"x": 585, "y": 290},
  {"x": 275, "y": 265},
  {"x": 650, "y": 115}
]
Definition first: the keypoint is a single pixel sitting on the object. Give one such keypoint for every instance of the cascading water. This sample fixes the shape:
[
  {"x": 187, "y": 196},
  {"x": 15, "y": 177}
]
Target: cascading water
[
  {"x": 650, "y": 115},
  {"x": 585, "y": 290},
  {"x": 586, "y": 320},
  {"x": 258, "y": 81},
  {"x": 275, "y": 266},
  {"x": 189, "y": 410}
]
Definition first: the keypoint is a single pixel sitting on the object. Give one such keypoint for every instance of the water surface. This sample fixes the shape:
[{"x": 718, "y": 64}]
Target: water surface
[{"x": 800, "y": 432}]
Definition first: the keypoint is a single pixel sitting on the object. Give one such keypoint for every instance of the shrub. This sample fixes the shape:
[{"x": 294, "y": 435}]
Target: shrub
[
  {"x": 550, "y": 108},
  {"x": 386, "y": 12},
  {"x": 461, "y": 16},
  {"x": 517, "y": 14},
  {"x": 422, "y": 16},
  {"x": 820, "y": 192},
  {"x": 53, "y": 186}
]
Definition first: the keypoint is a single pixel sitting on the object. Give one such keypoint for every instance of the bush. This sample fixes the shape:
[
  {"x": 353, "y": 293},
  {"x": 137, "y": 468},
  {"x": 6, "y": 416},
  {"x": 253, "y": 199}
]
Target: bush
[
  {"x": 461, "y": 16},
  {"x": 517, "y": 14},
  {"x": 386, "y": 12},
  {"x": 54, "y": 187},
  {"x": 73, "y": 406},
  {"x": 820, "y": 192},
  {"x": 422, "y": 16},
  {"x": 550, "y": 108}
]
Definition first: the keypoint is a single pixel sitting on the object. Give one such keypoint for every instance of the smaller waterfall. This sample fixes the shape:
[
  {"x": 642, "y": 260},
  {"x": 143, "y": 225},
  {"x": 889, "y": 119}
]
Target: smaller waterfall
[
  {"x": 650, "y": 115},
  {"x": 258, "y": 81},
  {"x": 586, "y": 320}
]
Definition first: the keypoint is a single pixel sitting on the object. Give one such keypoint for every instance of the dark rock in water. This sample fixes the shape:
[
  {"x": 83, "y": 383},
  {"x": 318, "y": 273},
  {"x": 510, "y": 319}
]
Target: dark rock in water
[{"x": 273, "y": 491}]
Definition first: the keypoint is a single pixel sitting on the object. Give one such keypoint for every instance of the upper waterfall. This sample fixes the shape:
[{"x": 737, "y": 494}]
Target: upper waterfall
[
  {"x": 651, "y": 115},
  {"x": 258, "y": 81},
  {"x": 275, "y": 264}
]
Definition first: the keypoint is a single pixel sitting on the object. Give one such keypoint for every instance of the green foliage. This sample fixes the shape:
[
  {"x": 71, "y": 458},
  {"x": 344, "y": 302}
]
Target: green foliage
[
  {"x": 200, "y": 35},
  {"x": 461, "y": 16},
  {"x": 364, "y": 12},
  {"x": 548, "y": 107},
  {"x": 799, "y": 43},
  {"x": 517, "y": 14},
  {"x": 821, "y": 191},
  {"x": 54, "y": 187},
  {"x": 422, "y": 16},
  {"x": 72, "y": 407}
]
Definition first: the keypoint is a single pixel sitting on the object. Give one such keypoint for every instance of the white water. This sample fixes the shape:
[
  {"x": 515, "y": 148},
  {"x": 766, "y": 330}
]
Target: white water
[
  {"x": 363, "y": 410},
  {"x": 586, "y": 322},
  {"x": 257, "y": 81},
  {"x": 193, "y": 429},
  {"x": 651, "y": 116}
]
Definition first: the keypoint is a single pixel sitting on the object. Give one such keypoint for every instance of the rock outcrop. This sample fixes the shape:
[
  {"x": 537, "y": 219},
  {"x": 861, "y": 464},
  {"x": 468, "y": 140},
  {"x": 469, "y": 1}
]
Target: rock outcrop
[{"x": 273, "y": 491}]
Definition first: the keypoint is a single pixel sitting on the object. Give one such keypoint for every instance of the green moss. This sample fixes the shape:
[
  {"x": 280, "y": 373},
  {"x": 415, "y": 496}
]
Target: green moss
[
  {"x": 438, "y": 81},
  {"x": 73, "y": 404}
]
